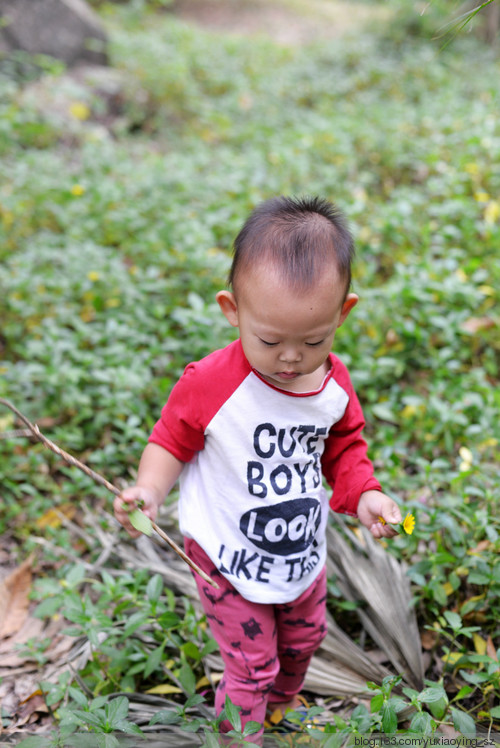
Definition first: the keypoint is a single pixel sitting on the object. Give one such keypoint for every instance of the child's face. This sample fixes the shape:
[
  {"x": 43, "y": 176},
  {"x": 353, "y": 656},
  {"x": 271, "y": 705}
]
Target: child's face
[{"x": 287, "y": 335}]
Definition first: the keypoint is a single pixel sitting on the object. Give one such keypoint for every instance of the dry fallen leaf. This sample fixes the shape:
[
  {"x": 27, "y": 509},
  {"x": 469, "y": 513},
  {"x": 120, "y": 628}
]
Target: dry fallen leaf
[
  {"x": 476, "y": 324},
  {"x": 14, "y": 590},
  {"x": 54, "y": 517},
  {"x": 428, "y": 639},
  {"x": 30, "y": 707},
  {"x": 490, "y": 649},
  {"x": 484, "y": 545}
]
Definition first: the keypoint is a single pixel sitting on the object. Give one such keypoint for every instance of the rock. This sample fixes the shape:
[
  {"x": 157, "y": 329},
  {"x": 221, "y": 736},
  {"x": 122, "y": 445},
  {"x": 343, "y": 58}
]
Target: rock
[{"x": 68, "y": 30}]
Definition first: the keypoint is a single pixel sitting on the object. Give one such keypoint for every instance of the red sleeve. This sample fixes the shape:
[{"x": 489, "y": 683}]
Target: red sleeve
[
  {"x": 345, "y": 463},
  {"x": 179, "y": 430},
  {"x": 201, "y": 391}
]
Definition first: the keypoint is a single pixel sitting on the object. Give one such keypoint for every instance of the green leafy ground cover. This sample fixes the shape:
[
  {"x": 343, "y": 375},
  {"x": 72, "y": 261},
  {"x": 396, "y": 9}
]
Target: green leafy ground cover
[{"x": 115, "y": 230}]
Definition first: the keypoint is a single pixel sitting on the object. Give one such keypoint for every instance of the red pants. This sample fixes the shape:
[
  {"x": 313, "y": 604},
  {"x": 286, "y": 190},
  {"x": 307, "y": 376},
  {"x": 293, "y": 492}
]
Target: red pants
[{"x": 266, "y": 648}]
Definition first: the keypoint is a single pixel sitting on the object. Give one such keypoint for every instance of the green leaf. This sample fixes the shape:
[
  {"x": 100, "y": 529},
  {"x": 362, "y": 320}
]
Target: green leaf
[
  {"x": 130, "y": 728},
  {"x": 384, "y": 413},
  {"x": 438, "y": 592},
  {"x": 439, "y": 708},
  {"x": 453, "y": 619},
  {"x": 141, "y": 523},
  {"x": 475, "y": 577},
  {"x": 463, "y": 722},
  {"x": 377, "y": 702},
  {"x": 75, "y": 575},
  {"x": 211, "y": 740},
  {"x": 97, "y": 703},
  {"x": 155, "y": 585},
  {"x": 495, "y": 712},
  {"x": 434, "y": 693},
  {"x": 166, "y": 717},
  {"x": 88, "y": 718},
  {"x": 360, "y": 718},
  {"x": 154, "y": 660},
  {"x": 117, "y": 710},
  {"x": 190, "y": 649},
  {"x": 107, "y": 741},
  {"x": 194, "y": 700},
  {"x": 48, "y": 607},
  {"x": 251, "y": 728},
  {"x": 464, "y": 691},
  {"x": 411, "y": 693},
  {"x": 476, "y": 678},
  {"x": 232, "y": 714},
  {"x": 78, "y": 696},
  {"x": 210, "y": 646},
  {"x": 397, "y": 703},
  {"x": 421, "y": 723},
  {"x": 135, "y": 621},
  {"x": 389, "y": 719},
  {"x": 187, "y": 678},
  {"x": 169, "y": 620}
]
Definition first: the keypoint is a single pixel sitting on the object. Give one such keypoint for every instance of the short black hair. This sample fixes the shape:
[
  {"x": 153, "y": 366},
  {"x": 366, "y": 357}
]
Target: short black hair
[{"x": 299, "y": 236}]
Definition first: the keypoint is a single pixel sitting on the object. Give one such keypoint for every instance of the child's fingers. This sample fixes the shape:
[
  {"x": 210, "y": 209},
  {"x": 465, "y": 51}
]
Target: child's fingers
[
  {"x": 388, "y": 532},
  {"x": 378, "y": 530},
  {"x": 390, "y": 512},
  {"x": 381, "y": 530},
  {"x": 122, "y": 506}
]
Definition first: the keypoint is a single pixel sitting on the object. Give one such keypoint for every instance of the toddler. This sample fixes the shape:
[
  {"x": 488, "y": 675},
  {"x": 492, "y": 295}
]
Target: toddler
[{"x": 251, "y": 431}]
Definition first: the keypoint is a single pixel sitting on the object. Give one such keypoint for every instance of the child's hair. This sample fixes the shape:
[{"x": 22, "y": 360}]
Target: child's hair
[{"x": 299, "y": 237}]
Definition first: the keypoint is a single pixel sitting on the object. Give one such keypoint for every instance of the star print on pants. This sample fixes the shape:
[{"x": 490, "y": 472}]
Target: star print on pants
[{"x": 251, "y": 628}]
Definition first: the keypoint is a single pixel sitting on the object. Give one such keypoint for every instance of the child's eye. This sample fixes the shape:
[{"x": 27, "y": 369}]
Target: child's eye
[
  {"x": 313, "y": 344},
  {"x": 266, "y": 342}
]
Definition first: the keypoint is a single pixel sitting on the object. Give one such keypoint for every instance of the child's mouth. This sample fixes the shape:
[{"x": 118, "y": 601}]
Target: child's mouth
[{"x": 287, "y": 374}]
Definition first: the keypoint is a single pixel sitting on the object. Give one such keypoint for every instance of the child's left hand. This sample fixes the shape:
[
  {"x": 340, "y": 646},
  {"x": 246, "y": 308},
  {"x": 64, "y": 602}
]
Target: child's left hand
[{"x": 373, "y": 505}]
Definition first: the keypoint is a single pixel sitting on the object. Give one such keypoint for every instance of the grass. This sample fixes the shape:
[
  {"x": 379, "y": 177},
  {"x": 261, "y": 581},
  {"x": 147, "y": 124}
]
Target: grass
[{"x": 116, "y": 219}]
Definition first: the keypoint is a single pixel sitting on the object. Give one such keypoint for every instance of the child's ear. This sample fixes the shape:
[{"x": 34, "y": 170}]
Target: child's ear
[
  {"x": 350, "y": 302},
  {"x": 227, "y": 302}
]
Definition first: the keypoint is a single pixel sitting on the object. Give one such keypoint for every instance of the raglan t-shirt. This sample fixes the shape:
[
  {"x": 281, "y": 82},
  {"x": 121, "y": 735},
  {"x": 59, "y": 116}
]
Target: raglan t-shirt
[{"x": 251, "y": 491}]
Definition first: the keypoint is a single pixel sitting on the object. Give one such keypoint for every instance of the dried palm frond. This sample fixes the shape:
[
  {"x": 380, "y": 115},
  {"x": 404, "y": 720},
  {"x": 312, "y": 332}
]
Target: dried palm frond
[{"x": 366, "y": 572}]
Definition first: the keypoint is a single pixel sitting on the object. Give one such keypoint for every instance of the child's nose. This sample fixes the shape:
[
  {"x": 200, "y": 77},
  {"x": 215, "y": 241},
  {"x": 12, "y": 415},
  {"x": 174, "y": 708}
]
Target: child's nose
[{"x": 290, "y": 355}]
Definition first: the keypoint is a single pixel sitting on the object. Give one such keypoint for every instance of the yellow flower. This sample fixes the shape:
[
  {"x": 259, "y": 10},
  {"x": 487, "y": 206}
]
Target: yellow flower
[
  {"x": 492, "y": 212},
  {"x": 7, "y": 218},
  {"x": 409, "y": 411},
  {"x": 77, "y": 190},
  {"x": 409, "y": 524},
  {"x": 487, "y": 290},
  {"x": 481, "y": 197},
  {"x": 93, "y": 275},
  {"x": 467, "y": 459},
  {"x": 79, "y": 110}
]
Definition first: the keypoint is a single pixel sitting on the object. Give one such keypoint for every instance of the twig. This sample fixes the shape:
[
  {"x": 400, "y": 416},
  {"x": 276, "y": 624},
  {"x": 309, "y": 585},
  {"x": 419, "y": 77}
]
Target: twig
[{"x": 103, "y": 482}]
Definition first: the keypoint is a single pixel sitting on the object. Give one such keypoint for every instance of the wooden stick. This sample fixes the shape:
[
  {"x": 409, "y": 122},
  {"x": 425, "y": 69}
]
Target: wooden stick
[{"x": 103, "y": 482}]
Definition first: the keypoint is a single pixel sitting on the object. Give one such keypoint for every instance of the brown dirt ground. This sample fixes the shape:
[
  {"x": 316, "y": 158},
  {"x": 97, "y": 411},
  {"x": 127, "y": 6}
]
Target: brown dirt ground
[{"x": 288, "y": 22}]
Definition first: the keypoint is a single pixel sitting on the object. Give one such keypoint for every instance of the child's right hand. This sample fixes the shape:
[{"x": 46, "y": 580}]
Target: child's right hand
[{"x": 135, "y": 497}]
